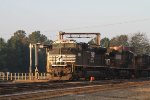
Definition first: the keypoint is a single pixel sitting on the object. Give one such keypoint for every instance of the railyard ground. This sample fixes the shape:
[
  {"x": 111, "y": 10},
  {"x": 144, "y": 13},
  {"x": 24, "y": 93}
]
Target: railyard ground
[{"x": 131, "y": 93}]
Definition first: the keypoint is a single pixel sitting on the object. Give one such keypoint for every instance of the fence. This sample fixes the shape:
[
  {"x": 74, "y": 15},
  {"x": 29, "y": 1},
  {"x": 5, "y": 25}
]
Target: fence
[{"x": 22, "y": 76}]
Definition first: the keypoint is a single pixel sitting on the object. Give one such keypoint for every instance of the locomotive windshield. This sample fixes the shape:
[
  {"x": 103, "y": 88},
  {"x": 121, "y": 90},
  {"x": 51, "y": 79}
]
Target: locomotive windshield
[{"x": 64, "y": 45}]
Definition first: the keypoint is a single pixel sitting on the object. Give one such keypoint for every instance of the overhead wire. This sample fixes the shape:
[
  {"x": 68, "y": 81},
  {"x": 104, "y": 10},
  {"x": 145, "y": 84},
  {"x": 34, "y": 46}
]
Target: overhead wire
[
  {"x": 111, "y": 24},
  {"x": 99, "y": 25},
  {"x": 94, "y": 26}
]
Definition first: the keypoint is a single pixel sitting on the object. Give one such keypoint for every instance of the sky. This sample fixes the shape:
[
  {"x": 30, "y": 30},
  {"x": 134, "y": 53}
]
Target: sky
[{"x": 108, "y": 17}]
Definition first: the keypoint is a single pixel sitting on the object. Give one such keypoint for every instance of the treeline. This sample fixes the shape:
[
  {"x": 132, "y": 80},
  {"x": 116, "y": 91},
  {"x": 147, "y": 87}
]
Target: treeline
[
  {"x": 14, "y": 53},
  {"x": 138, "y": 41}
]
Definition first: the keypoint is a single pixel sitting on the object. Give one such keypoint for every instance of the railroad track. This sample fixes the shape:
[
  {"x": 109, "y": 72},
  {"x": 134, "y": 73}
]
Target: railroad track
[
  {"x": 23, "y": 87},
  {"x": 74, "y": 89}
]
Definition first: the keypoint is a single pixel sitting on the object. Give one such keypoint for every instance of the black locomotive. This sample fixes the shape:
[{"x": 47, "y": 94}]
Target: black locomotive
[{"x": 67, "y": 60}]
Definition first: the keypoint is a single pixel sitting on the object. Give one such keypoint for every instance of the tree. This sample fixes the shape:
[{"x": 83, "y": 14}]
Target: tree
[
  {"x": 37, "y": 37},
  {"x": 121, "y": 40},
  {"x": 140, "y": 43},
  {"x": 2, "y": 44},
  {"x": 92, "y": 41},
  {"x": 3, "y": 55},
  {"x": 105, "y": 42},
  {"x": 18, "y": 51},
  {"x": 14, "y": 55}
]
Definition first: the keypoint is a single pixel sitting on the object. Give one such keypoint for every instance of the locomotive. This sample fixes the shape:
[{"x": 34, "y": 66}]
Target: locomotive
[
  {"x": 69, "y": 60},
  {"x": 128, "y": 64}
]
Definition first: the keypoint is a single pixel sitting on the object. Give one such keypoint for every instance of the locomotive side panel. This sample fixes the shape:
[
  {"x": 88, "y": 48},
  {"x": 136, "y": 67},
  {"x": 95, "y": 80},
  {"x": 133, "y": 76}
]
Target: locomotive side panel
[{"x": 142, "y": 61}]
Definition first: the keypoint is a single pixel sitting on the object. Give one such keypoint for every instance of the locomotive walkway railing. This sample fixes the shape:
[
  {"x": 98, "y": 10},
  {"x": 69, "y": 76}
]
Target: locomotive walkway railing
[{"x": 7, "y": 76}]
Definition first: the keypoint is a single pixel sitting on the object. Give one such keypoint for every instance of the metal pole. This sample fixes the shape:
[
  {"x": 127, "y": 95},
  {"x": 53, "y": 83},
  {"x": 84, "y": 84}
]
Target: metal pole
[
  {"x": 36, "y": 61},
  {"x": 30, "y": 68},
  {"x": 98, "y": 39},
  {"x": 36, "y": 57}
]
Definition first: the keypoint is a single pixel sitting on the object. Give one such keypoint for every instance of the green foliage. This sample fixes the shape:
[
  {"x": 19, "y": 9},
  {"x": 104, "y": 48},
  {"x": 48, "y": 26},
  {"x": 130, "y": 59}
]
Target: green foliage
[
  {"x": 14, "y": 54},
  {"x": 105, "y": 42},
  {"x": 18, "y": 52},
  {"x": 36, "y": 37},
  {"x": 92, "y": 41},
  {"x": 116, "y": 41},
  {"x": 119, "y": 40},
  {"x": 140, "y": 43},
  {"x": 2, "y": 44},
  {"x": 3, "y": 54}
]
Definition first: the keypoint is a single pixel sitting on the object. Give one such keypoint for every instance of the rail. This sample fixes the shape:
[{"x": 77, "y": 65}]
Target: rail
[{"x": 48, "y": 93}]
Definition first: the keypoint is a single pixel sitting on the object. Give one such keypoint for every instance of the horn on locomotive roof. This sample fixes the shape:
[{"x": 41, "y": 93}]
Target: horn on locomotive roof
[{"x": 61, "y": 34}]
